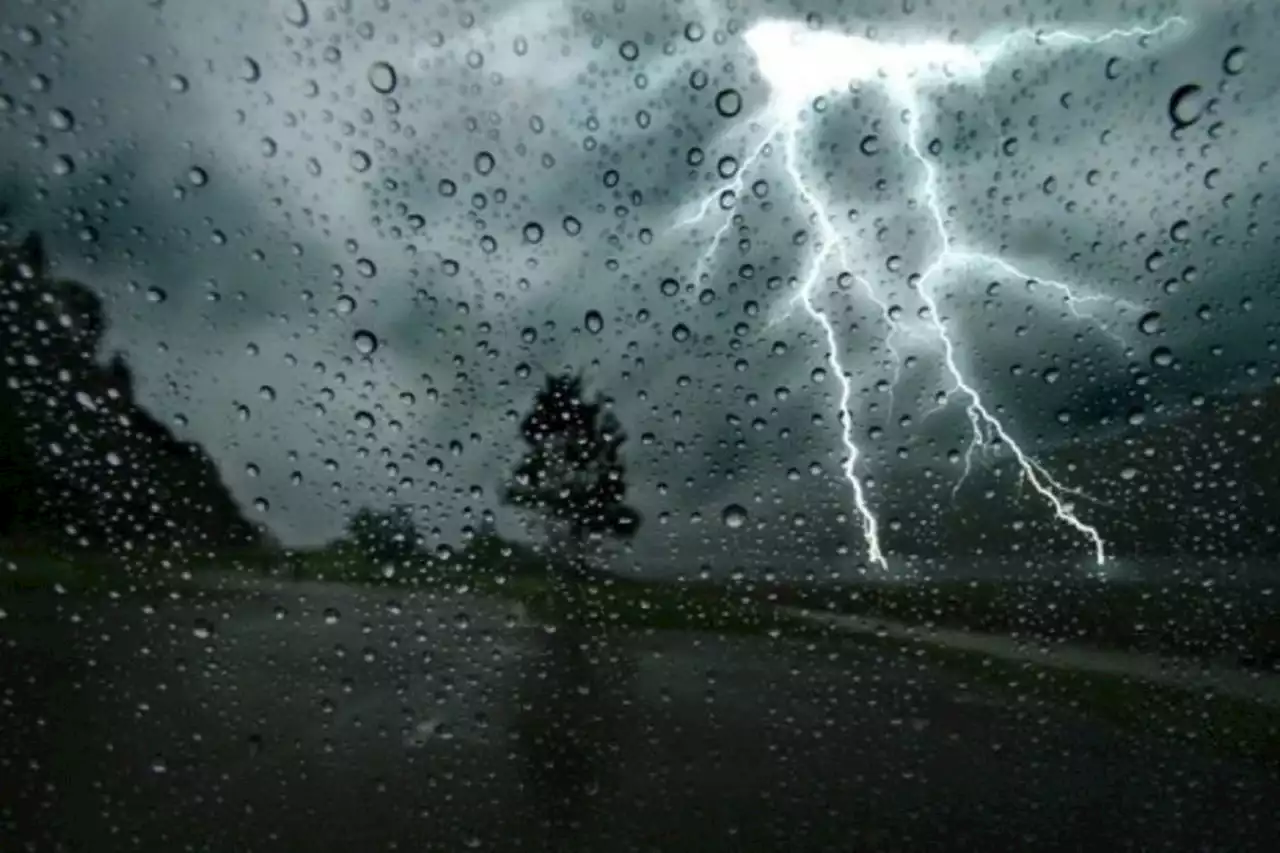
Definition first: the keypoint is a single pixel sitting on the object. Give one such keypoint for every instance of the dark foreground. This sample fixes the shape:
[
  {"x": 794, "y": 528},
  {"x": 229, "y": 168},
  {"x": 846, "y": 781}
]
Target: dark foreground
[{"x": 327, "y": 718}]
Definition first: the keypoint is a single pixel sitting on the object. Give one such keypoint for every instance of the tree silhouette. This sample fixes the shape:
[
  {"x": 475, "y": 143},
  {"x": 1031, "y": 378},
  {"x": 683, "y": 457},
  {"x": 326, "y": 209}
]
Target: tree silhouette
[
  {"x": 81, "y": 461},
  {"x": 572, "y": 473}
]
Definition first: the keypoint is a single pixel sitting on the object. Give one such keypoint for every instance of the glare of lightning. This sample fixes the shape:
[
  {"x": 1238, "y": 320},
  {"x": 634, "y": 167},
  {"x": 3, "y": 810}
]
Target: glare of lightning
[{"x": 801, "y": 64}]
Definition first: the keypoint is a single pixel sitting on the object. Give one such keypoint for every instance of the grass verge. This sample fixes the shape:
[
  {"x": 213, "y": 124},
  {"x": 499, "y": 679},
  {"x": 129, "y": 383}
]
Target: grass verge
[
  {"x": 1213, "y": 723},
  {"x": 1179, "y": 617}
]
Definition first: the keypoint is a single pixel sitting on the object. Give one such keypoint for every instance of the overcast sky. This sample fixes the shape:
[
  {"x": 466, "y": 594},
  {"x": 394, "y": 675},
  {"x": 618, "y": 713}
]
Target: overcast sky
[{"x": 261, "y": 189}]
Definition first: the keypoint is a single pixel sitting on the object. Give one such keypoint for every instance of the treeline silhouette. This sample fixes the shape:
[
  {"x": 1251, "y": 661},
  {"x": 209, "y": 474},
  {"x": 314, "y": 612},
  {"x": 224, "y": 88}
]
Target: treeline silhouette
[
  {"x": 385, "y": 546},
  {"x": 1204, "y": 483},
  {"x": 82, "y": 464},
  {"x": 570, "y": 483}
]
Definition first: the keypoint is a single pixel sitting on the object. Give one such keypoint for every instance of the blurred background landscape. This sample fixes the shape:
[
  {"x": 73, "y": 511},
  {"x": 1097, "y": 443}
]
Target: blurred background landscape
[{"x": 506, "y": 426}]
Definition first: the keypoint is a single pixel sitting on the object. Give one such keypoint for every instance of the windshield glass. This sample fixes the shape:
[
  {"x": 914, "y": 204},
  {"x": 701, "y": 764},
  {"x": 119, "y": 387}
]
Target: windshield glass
[{"x": 693, "y": 425}]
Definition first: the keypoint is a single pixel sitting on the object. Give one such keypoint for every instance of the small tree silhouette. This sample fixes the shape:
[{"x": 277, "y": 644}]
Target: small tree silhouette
[{"x": 572, "y": 473}]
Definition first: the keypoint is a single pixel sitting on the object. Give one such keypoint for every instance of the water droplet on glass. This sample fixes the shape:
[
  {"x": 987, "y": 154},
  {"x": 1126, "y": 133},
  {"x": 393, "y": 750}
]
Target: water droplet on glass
[
  {"x": 296, "y": 13},
  {"x": 346, "y": 304},
  {"x": 728, "y": 103},
  {"x": 1186, "y": 105},
  {"x": 382, "y": 77},
  {"x": 593, "y": 322},
  {"x": 484, "y": 162},
  {"x": 1181, "y": 231},
  {"x": 202, "y": 629},
  {"x": 360, "y": 161},
  {"x": 364, "y": 420},
  {"x": 680, "y": 333},
  {"x": 1149, "y": 324},
  {"x": 734, "y": 516},
  {"x": 572, "y": 226},
  {"x": 61, "y": 119},
  {"x": 250, "y": 71},
  {"x": 532, "y": 232},
  {"x": 197, "y": 176},
  {"x": 1233, "y": 62},
  {"x": 155, "y": 295},
  {"x": 629, "y": 51},
  {"x": 366, "y": 342}
]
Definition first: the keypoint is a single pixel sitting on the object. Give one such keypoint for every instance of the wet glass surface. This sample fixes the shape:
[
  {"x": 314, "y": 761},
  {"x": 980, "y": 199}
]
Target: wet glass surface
[{"x": 638, "y": 426}]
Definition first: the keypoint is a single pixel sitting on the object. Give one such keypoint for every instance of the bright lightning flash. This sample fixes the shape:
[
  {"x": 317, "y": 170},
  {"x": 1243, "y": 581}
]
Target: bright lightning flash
[{"x": 802, "y": 64}]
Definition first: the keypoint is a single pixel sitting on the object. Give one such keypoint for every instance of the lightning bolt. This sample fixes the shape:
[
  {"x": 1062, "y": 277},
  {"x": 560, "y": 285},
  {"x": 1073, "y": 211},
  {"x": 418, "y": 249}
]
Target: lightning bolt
[
  {"x": 829, "y": 241},
  {"x": 801, "y": 65}
]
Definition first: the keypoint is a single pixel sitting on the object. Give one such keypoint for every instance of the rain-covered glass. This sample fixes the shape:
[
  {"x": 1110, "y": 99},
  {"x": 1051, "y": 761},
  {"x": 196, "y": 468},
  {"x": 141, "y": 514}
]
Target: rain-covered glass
[{"x": 639, "y": 425}]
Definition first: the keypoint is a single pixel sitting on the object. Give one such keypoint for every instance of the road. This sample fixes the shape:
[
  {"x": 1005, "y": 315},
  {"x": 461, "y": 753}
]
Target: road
[{"x": 320, "y": 717}]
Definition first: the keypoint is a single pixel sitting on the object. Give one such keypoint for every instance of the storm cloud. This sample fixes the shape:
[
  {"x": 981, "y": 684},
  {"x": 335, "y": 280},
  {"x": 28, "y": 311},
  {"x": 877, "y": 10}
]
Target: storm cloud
[{"x": 341, "y": 242}]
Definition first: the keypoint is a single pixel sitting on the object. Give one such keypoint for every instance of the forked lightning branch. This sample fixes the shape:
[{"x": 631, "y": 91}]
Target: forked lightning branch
[{"x": 800, "y": 65}]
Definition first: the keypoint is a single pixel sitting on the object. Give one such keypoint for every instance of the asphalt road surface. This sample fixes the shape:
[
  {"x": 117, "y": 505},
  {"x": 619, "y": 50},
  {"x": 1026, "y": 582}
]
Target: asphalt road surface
[{"x": 319, "y": 717}]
